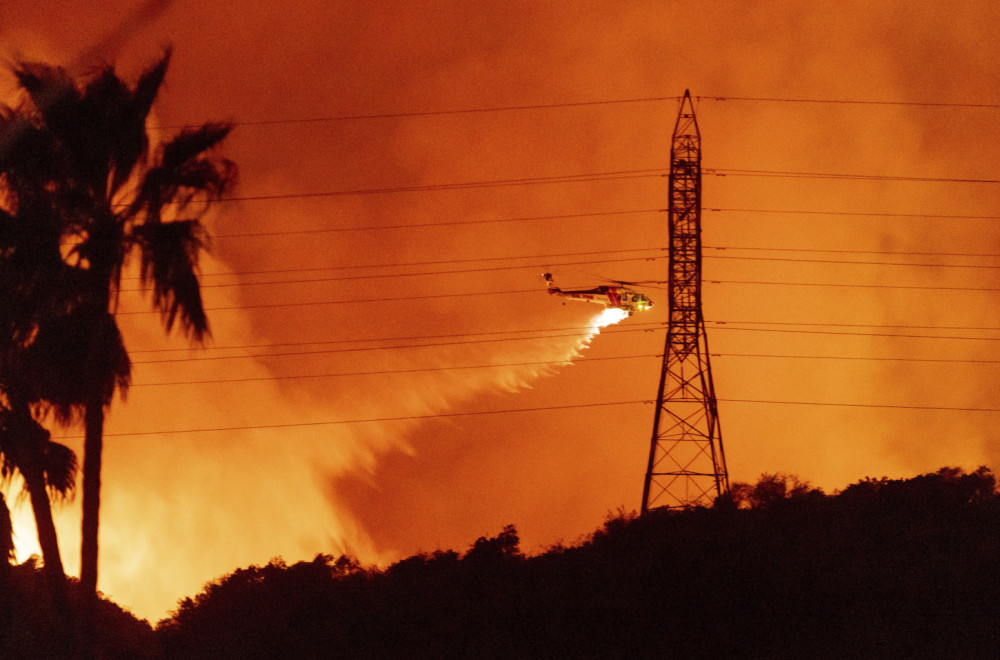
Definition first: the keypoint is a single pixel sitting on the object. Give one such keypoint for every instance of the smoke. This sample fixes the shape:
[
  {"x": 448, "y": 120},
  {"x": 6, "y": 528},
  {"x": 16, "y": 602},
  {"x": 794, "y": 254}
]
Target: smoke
[
  {"x": 107, "y": 49},
  {"x": 182, "y": 508},
  {"x": 255, "y": 493}
]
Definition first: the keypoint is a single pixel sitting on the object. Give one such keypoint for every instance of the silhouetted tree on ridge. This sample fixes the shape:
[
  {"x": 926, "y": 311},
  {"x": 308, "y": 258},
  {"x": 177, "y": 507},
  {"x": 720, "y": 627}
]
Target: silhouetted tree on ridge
[
  {"x": 769, "y": 490},
  {"x": 31, "y": 626},
  {"x": 885, "y": 568}
]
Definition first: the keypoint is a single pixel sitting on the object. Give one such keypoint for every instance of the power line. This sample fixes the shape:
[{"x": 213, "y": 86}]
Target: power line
[
  {"x": 534, "y": 335},
  {"x": 860, "y": 325},
  {"x": 934, "y": 216},
  {"x": 443, "y": 262},
  {"x": 583, "y": 328},
  {"x": 833, "y": 175},
  {"x": 856, "y": 286},
  {"x": 432, "y": 113},
  {"x": 596, "y": 176},
  {"x": 316, "y": 303},
  {"x": 447, "y": 223},
  {"x": 379, "y": 348},
  {"x": 854, "y": 357},
  {"x": 836, "y": 251},
  {"x": 927, "y": 104},
  {"x": 549, "y": 265},
  {"x": 364, "y": 420},
  {"x": 330, "y": 230},
  {"x": 496, "y": 183},
  {"x": 425, "y": 273},
  {"x": 566, "y": 362},
  {"x": 573, "y": 104},
  {"x": 839, "y": 404},
  {"x": 583, "y": 178},
  {"x": 853, "y": 334},
  {"x": 569, "y": 254},
  {"x": 367, "y": 420},
  {"x": 848, "y": 262},
  {"x": 393, "y": 372}
]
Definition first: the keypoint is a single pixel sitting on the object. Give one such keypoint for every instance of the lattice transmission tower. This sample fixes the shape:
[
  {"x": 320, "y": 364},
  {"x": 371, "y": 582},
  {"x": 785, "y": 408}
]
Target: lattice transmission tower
[{"x": 687, "y": 464}]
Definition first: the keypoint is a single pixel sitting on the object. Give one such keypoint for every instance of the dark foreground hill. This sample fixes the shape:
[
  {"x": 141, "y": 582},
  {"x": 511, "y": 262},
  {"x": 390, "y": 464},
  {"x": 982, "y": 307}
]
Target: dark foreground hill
[
  {"x": 30, "y": 626},
  {"x": 886, "y": 568},
  {"x": 905, "y": 568}
]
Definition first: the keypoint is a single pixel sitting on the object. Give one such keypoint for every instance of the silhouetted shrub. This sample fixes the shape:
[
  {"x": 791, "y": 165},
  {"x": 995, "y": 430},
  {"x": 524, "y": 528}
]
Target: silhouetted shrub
[{"x": 30, "y": 627}]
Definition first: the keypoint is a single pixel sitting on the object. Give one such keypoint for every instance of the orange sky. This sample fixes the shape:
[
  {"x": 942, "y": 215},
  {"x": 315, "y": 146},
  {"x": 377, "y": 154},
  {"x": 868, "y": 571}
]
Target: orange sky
[{"x": 180, "y": 509}]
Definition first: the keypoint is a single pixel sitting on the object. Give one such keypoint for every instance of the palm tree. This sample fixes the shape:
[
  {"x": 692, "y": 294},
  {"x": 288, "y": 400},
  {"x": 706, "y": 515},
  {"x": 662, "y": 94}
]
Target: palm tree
[
  {"x": 6, "y": 535},
  {"x": 33, "y": 291},
  {"x": 114, "y": 199},
  {"x": 49, "y": 470}
]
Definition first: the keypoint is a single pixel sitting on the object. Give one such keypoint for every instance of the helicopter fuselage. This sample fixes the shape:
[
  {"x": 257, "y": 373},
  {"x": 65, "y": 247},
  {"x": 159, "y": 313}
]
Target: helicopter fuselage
[{"x": 621, "y": 297}]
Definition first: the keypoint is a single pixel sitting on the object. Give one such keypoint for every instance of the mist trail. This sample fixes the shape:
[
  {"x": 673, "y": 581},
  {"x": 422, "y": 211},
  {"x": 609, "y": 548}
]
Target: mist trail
[{"x": 183, "y": 509}]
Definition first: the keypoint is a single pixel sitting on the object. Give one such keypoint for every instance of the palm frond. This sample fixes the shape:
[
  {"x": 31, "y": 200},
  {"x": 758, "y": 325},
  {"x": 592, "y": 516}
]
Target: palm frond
[
  {"x": 27, "y": 448},
  {"x": 169, "y": 263},
  {"x": 116, "y": 134},
  {"x": 60, "y": 465},
  {"x": 148, "y": 85},
  {"x": 53, "y": 93},
  {"x": 22, "y": 439},
  {"x": 28, "y": 154},
  {"x": 191, "y": 143},
  {"x": 101, "y": 125},
  {"x": 184, "y": 171},
  {"x": 72, "y": 354}
]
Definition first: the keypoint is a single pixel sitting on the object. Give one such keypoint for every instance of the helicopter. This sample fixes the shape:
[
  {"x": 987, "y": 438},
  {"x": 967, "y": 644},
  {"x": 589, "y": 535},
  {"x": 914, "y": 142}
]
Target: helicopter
[{"x": 618, "y": 296}]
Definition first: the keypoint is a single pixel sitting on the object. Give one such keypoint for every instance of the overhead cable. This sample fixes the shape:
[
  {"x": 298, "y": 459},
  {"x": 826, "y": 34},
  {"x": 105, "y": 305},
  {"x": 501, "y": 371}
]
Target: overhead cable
[
  {"x": 926, "y": 104},
  {"x": 361, "y": 420},
  {"x": 474, "y": 413},
  {"x": 581, "y": 328},
  {"x": 202, "y": 358},
  {"x": 432, "y": 113},
  {"x": 574, "y": 104},
  {"x": 393, "y": 372}
]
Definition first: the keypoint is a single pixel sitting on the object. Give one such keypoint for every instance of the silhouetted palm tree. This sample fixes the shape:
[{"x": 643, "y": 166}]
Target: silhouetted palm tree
[
  {"x": 34, "y": 290},
  {"x": 48, "y": 469},
  {"x": 6, "y": 535},
  {"x": 90, "y": 153}
]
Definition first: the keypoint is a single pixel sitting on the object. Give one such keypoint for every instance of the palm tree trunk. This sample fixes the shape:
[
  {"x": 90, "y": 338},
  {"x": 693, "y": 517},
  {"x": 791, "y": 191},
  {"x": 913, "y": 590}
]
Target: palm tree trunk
[
  {"x": 6, "y": 536},
  {"x": 41, "y": 507},
  {"x": 34, "y": 480},
  {"x": 32, "y": 467},
  {"x": 92, "y": 447}
]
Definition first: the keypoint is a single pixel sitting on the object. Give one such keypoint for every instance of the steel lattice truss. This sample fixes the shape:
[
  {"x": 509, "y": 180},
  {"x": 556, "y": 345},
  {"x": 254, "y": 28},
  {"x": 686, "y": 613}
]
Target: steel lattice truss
[{"x": 687, "y": 465}]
